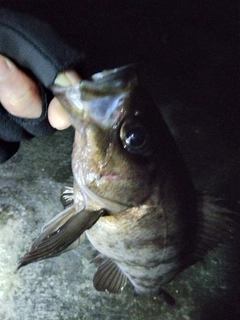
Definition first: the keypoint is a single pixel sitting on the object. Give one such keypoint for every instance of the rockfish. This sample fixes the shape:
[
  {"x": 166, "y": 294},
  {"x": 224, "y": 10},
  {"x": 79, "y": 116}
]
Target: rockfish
[{"x": 132, "y": 194}]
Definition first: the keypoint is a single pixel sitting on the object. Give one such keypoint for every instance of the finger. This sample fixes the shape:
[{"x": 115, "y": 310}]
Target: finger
[
  {"x": 57, "y": 115},
  {"x": 19, "y": 94},
  {"x": 67, "y": 78}
]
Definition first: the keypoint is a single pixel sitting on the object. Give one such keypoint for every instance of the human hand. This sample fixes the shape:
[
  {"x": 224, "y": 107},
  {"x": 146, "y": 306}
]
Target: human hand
[{"x": 21, "y": 97}]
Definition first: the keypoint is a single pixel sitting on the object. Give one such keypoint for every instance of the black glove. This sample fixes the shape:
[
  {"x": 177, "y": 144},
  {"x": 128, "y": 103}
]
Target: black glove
[{"x": 36, "y": 47}]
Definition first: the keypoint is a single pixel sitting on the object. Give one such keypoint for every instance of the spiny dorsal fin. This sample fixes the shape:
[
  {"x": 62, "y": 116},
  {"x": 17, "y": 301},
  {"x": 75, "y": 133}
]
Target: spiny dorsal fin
[{"x": 109, "y": 277}]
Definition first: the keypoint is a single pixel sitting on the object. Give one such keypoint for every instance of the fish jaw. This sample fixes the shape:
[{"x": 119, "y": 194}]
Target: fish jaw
[
  {"x": 100, "y": 99},
  {"x": 104, "y": 110}
]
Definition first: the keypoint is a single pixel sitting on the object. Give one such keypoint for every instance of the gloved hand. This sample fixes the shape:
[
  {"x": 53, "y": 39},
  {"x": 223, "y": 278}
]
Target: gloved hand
[
  {"x": 34, "y": 46},
  {"x": 21, "y": 97}
]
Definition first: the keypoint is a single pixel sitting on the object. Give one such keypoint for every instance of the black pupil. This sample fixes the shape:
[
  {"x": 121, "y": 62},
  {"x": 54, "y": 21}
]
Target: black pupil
[{"x": 135, "y": 137}]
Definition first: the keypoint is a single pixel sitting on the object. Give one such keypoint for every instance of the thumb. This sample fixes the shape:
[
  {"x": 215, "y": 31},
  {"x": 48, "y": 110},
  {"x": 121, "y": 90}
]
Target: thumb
[{"x": 19, "y": 94}]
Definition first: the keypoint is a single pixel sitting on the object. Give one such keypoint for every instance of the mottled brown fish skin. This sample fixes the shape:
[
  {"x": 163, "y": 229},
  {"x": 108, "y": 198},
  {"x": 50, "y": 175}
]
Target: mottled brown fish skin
[
  {"x": 148, "y": 240},
  {"x": 132, "y": 194}
]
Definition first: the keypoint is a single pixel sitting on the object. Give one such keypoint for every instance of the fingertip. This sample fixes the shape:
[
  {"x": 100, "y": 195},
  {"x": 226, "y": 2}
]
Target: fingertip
[
  {"x": 5, "y": 66},
  {"x": 57, "y": 115},
  {"x": 67, "y": 78}
]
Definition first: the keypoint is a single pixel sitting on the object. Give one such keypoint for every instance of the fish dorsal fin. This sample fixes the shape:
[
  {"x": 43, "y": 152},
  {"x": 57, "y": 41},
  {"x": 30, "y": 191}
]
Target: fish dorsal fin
[
  {"x": 217, "y": 224},
  {"x": 109, "y": 277}
]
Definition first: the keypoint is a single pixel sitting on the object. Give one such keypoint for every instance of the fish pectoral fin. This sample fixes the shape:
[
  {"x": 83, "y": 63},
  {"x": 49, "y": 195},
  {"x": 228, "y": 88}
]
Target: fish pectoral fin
[
  {"x": 56, "y": 222},
  {"x": 76, "y": 243},
  {"x": 67, "y": 196},
  {"x": 109, "y": 277},
  {"x": 49, "y": 245}
]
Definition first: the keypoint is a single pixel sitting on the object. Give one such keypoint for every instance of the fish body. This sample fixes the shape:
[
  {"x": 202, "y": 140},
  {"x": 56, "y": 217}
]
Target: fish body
[
  {"x": 145, "y": 220},
  {"x": 144, "y": 234}
]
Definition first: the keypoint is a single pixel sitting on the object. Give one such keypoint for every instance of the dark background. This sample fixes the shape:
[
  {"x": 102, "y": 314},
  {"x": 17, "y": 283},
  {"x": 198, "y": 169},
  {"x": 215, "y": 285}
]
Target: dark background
[{"x": 187, "y": 56}]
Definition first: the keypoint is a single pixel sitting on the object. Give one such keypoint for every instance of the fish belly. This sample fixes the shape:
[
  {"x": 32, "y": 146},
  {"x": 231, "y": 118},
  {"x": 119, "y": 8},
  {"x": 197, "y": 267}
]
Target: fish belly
[{"x": 145, "y": 261}]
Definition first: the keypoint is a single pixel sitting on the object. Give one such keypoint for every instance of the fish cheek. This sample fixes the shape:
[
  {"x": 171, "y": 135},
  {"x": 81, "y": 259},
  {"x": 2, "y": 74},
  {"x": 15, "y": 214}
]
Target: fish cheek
[
  {"x": 100, "y": 144},
  {"x": 90, "y": 148},
  {"x": 137, "y": 182},
  {"x": 100, "y": 153}
]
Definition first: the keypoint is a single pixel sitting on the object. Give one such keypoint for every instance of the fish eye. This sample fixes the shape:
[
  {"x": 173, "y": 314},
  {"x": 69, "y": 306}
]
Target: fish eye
[{"x": 135, "y": 137}]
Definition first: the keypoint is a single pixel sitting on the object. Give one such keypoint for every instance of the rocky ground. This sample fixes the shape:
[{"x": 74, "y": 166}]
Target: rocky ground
[
  {"x": 61, "y": 288},
  {"x": 189, "y": 68}
]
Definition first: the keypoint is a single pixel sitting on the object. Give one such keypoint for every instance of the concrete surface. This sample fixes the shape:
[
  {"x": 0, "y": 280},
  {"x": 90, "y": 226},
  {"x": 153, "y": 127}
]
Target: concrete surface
[{"x": 61, "y": 288}]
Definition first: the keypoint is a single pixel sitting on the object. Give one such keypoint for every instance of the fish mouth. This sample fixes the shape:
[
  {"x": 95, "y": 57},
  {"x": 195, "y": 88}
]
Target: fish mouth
[
  {"x": 98, "y": 178},
  {"x": 110, "y": 205},
  {"x": 99, "y": 99},
  {"x": 110, "y": 177}
]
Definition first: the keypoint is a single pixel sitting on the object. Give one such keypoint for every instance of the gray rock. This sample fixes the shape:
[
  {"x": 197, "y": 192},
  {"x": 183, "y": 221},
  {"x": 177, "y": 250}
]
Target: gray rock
[{"x": 61, "y": 288}]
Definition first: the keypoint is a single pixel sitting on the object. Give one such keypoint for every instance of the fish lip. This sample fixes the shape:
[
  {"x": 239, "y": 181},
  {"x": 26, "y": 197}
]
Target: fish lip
[
  {"x": 100, "y": 99},
  {"x": 110, "y": 177}
]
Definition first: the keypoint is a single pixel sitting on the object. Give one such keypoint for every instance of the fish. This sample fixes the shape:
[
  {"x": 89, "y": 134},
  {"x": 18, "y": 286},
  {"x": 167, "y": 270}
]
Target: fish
[{"x": 132, "y": 196}]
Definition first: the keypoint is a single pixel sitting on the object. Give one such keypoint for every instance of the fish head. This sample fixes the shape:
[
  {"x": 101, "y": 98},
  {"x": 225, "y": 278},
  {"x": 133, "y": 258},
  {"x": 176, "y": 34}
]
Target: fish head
[{"x": 119, "y": 134}]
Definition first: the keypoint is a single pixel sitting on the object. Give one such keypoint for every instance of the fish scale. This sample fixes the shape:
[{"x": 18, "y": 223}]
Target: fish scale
[{"x": 132, "y": 195}]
